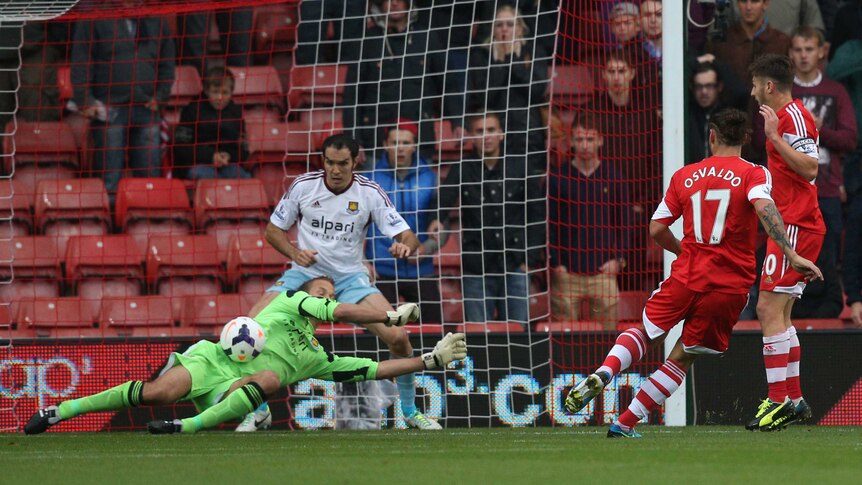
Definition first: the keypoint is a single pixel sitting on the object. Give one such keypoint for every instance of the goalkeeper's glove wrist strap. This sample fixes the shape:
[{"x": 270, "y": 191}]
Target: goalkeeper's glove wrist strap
[
  {"x": 393, "y": 318},
  {"x": 430, "y": 360}
]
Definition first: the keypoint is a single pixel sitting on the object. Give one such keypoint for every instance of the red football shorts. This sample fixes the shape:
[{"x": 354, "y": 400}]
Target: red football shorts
[
  {"x": 709, "y": 317},
  {"x": 777, "y": 274}
]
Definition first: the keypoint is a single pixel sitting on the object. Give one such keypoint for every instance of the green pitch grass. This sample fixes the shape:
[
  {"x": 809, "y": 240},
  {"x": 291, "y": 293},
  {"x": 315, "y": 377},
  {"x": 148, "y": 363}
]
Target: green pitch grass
[{"x": 522, "y": 456}]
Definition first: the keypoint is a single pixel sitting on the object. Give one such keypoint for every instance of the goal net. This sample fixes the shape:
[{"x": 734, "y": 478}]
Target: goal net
[{"x": 135, "y": 196}]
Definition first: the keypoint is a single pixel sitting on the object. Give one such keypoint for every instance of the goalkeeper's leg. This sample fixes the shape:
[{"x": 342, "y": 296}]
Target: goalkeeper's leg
[{"x": 168, "y": 388}]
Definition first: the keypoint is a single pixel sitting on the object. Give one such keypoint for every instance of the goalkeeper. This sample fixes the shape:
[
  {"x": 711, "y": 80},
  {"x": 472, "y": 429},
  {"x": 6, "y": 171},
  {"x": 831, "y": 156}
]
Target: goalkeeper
[{"x": 204, "y": 375}]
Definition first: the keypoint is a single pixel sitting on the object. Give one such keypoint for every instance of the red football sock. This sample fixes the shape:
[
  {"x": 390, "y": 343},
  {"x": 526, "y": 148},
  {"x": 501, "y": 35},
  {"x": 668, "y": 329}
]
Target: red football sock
[
  {"x": 660, "y": 385},
  {"x": 629, "y": 347},
  {"x": 776, "y": 352}
]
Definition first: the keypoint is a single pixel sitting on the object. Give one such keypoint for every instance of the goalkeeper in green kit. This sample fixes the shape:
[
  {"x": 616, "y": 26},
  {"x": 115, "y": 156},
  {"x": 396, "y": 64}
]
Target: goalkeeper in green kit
[{"x": 223, "y": 390}]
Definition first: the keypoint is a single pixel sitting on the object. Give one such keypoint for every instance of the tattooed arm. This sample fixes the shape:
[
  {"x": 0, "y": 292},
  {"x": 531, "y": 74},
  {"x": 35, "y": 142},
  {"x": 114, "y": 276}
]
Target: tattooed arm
[{"x": 774, "y": 226}]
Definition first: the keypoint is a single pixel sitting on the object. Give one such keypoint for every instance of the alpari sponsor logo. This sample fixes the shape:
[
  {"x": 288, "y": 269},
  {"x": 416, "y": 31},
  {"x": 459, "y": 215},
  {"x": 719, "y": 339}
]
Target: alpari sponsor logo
[{"x": 327, "y": 225}]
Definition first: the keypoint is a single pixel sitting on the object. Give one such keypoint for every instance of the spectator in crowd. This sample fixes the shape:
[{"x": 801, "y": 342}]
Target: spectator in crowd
[
  {"x": 713, "y": 87},
  {"x": 846, "y": 28},
  {"x": 235, "y": 35},
  {"x": 632, "y": 144},
  {"x": 631, "y": 133},
  {"x": 121, "y": 70},
  {"x": 625, "y": 26},
  {"x": 588, "y": 204},
  {"x": 35, "y": 84},
  {"x": 706, "y": 89},
  {"x": 347, "y": 17},
  {"x": 747, "y": 39},
  {"x": 401, "y": 74},
  {"x": 846, "y": 68},
  {"x": 491, "y": 189},
  {"x": 651, "y": 26},
  {"x": 208, "y": 142},
  {"x": 509, "y": 74},
  {"x": 411, "y": 185},
  {"x": 787, "y": 15},
  {"x": 830, "y": 105}
]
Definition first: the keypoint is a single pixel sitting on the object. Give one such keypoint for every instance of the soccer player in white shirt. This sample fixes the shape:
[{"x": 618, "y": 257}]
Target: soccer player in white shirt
[{"x": 332, "y": 209}]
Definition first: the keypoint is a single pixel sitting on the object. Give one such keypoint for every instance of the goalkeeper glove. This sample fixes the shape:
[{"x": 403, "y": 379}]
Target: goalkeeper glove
[
  {"x": 404, "y": 314},
  {"x": 451, "y": 347}
]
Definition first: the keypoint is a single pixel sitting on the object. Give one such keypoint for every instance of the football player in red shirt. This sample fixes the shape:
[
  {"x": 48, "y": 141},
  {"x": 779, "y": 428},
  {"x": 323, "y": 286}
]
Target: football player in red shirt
[
  {"x": 792, "y": 148},
  {"x": 720, "y": 200}
]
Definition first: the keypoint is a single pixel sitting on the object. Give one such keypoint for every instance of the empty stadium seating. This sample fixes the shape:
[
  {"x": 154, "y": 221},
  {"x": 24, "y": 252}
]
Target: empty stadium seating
[
  {"x": 142, "y": 316},
  {"x": 40, "y": 151},
  {"x": 104, "y": 266},
  {"x": 30, "y": 268},
  {"x": 253, "y": 264},
  {"x": 207, "y": 314},
  {"x": 275, "y": 27},
  {"x": 258, "y": 86},
  {"x": 316, "y": 86},
  {"x": 70, "y": 207},
  {"x": 16, "y": 209},
  {"x": 70, "y": 317},
  {"x": 180, "y": 266},
  {"x": 186, "y": 88},
  {"x": 150, "y": 206},
  {"x": 227, "y": 207}
]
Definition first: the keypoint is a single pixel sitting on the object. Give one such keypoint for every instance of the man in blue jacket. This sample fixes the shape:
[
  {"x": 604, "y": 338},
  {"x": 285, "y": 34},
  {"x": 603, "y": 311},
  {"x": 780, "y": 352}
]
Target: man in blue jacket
[{"x": 411, "y": 184}]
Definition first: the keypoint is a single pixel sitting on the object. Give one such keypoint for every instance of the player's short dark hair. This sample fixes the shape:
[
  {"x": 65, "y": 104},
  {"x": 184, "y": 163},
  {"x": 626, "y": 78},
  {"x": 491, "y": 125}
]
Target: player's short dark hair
[
  {"x": 809, "y": 32},
  {"x": 218, "y": 77},
  {"x": 776, "y": 68},
  {"x": 481, "y": 115},
  {"x": 340, "y": 141},
  {"x": 587, "y": 121},
  {"x": 731, "y": 126},
  {"x": 307, "y": 285}
]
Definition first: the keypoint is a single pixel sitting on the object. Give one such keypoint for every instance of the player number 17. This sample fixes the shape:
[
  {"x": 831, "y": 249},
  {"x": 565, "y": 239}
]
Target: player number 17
[{"x": 723, "y": 198}]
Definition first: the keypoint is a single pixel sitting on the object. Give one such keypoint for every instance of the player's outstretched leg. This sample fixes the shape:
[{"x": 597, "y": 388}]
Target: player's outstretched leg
[
  {"x": 244, "y": 399},
  {"x": 801, "y": 410},
  {"x": 629, "y": 347},
  {"x": 126, "y": 395}
]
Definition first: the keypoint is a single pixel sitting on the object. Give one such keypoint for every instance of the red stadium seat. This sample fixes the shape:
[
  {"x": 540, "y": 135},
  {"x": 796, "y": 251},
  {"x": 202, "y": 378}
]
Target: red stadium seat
[
  {"x": 447, "y": 260},
  {"x": 180, "y": 266},
  {"x": 40, "y": 151},
  {"x": 322, "y": 123},
  {"x": 208, "y": 314},
  {"x": 316, "y": 86},
  {"x": 568, "y": 326},
  {"x": 540, "y": 306},
  {"x": 61, "y": 316},
  {"x": 64, "y": 83},
  {"x": 571, "y": 84},
  {"x": 16, "y": 208},
  {"x": 253, "y": 264},
  {"x": 258, "y": 86},
  {"x": 449, "y": 147},
  {"x": 186, "y": 88},
  {"x": 277, "y": 178},
  {"x": 149, "y": 206},
  {"x": 275, "y": 27},
  {"x": 453, "y": 301},
  {"x": 30, "y": 268},
  {"x": 71, "y": 207},
  {"x": 149, "y": 316},
  {"x": 227, "y": 207},
  {"x": 98, "y": 267},
  {"x": 277, "y": 142}
]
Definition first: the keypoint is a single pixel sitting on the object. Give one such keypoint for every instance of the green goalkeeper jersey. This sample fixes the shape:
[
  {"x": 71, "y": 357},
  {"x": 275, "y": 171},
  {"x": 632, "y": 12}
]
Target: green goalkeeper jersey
[{"x": 291, "y": 349}]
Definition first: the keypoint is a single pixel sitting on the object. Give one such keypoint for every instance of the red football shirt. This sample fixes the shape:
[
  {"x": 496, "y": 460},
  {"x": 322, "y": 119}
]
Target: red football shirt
[
  {"x": 714, "y": 198},
  {"x": 795, "y": 197}
]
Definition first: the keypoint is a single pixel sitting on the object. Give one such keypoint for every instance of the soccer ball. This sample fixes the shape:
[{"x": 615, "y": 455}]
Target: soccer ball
[{"x": 242, "y": 339}]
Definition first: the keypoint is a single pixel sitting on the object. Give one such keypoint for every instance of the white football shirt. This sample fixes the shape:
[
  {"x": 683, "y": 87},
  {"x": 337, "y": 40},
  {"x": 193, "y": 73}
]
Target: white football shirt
[{"x": 335, "y": 225}]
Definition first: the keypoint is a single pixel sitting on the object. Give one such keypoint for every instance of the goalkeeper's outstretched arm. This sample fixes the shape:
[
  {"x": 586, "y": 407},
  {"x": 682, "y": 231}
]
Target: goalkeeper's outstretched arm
[{"x": 450, "y": 348}]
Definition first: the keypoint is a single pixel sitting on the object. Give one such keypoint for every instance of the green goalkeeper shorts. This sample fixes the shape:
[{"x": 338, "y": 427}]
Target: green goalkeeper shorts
[{"x": 211, "y": 370}]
